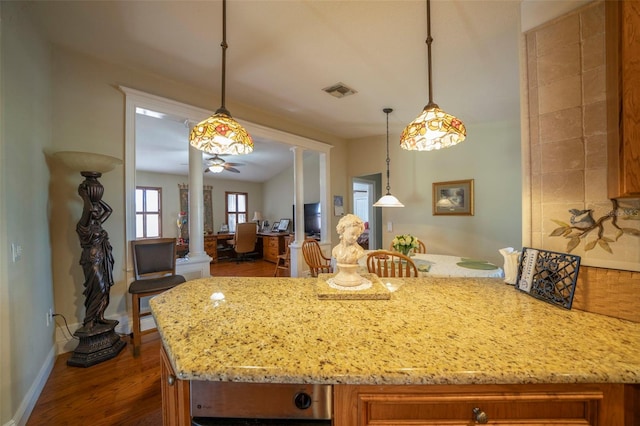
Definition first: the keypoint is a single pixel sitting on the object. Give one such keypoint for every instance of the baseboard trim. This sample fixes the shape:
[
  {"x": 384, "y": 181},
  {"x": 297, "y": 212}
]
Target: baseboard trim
[{"x": 31, "y": 397}]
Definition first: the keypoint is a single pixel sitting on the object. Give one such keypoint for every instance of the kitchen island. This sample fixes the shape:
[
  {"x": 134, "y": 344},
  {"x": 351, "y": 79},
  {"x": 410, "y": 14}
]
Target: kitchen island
[{"x": 435, "y": 347}]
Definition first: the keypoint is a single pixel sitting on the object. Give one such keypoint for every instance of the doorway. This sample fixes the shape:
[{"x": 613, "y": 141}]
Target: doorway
[{"x": 365, "y": 191}]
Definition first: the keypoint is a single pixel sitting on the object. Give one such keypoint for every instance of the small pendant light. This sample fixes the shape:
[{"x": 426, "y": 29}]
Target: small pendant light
[
  {"x": 220, "y": 133},
  {"x": 388, "y": 200},
  {"x": 434, "y": 128}
]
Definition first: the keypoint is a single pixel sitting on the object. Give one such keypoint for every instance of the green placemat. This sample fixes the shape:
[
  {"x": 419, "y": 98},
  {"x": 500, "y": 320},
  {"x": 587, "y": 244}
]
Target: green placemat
[{"x": 476, "y": 264}]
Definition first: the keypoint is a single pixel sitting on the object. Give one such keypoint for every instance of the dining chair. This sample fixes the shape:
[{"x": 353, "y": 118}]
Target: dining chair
[
  {"x": 315, "y": 259},
  {"x": 154, "y": 268},
  {"x": 391, "y": 264},
  {"x": 283, "y": 259},
  {"x": 422, "y": 248}
]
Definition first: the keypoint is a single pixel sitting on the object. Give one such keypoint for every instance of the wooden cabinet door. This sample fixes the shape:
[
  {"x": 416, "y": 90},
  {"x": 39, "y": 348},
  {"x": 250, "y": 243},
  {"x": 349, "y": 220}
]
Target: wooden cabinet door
[
  {"x": 623, "y": 98},
  {"x": 175, "y": 395},
  {"x": 478, "y": 404}
]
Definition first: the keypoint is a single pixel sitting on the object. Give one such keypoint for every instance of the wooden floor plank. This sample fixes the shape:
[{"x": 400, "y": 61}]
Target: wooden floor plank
[{"x": 123, "y": 390}]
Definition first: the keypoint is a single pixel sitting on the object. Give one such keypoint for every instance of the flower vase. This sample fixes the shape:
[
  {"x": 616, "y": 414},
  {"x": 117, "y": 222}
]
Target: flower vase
[{"x": 405, "y": 250}]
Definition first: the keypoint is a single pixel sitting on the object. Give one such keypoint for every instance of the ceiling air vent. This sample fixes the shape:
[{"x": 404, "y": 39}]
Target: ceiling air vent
[{"x": 339, "y": 90}]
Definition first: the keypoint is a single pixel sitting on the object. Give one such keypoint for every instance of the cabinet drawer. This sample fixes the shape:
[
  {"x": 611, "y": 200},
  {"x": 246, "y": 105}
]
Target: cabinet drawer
[
  {"x": 575, "y": 409},
  {"x": 466, "y": 404},
  {"x": 273, "y": 242}
]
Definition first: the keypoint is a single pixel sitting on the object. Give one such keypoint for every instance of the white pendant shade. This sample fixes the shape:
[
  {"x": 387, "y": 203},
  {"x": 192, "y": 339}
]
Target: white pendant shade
[{"x": 388, "y": 201}]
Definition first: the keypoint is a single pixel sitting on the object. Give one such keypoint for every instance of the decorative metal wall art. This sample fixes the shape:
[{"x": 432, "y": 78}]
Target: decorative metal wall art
[{"x": 548, "y": 275}]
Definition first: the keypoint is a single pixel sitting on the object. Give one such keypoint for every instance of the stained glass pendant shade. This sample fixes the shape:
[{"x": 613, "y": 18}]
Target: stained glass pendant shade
[
  {"x": 434, "y": 128},
  {"x": 220, "y": 133}
]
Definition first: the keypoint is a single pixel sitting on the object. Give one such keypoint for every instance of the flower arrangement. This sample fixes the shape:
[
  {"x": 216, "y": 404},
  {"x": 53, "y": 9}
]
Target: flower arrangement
[{"x": 404, "y": 243}]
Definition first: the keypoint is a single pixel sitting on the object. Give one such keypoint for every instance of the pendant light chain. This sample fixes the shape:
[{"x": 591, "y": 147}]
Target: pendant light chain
[
  {"x": 388, "y": 200},
  {"x": 387, "y": 111},
  {"x": 429, "y": 41},
  {"x": 224, "y": 46}
]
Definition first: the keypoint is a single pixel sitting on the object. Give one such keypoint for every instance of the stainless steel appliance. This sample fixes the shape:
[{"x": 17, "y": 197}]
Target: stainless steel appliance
[{"x": 231, "y": 403}]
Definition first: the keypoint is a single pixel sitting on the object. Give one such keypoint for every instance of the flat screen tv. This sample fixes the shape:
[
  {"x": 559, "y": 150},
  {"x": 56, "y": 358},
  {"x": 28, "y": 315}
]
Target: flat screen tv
[{"x": 312, "y": 218}]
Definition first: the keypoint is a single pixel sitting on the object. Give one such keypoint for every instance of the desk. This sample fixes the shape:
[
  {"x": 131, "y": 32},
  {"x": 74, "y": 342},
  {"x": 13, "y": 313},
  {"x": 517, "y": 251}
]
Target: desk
[
  {"x": 268, "y": 244},
  {"x": 273, "y": 245},
  {"x": 440, "y": 265}
]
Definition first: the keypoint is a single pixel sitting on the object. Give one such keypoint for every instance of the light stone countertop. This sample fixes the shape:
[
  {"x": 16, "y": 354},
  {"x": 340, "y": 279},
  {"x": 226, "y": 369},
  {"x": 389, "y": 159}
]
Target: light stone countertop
[{"x": 431, "y": 331}]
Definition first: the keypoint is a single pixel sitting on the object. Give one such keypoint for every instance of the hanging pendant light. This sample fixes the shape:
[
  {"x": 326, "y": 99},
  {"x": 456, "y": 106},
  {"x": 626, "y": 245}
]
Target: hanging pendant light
[
  {"x": 220, "y": 133},
  {"x": 434, "y": 128},
  {"x": 388, "y": 200}
]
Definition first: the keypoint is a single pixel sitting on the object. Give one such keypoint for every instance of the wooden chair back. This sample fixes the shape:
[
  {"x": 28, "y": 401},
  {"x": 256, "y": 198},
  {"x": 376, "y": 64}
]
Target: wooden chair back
[
  {"x": 391, "y": 264},
  {"x": 315, "y": 259}
]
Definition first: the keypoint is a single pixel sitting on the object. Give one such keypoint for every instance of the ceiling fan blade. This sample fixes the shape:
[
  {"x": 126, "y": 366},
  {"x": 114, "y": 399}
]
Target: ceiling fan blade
[
  {"x": 233, "y": 164},
  {"x": 232, "y": 169}
]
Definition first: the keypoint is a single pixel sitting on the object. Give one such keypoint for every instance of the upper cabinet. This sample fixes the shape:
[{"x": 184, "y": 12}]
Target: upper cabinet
[{"x": 623, "y": 98}]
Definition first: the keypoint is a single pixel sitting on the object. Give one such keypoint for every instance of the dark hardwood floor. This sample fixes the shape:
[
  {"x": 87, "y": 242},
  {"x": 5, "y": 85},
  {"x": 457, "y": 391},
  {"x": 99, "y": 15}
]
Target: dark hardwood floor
[{"x": 121, "y": 391}]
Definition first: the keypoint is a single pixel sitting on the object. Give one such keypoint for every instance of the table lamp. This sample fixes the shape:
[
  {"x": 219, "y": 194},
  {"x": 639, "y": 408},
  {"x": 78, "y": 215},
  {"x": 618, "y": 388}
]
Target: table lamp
[{"x": 257, "y": 218}]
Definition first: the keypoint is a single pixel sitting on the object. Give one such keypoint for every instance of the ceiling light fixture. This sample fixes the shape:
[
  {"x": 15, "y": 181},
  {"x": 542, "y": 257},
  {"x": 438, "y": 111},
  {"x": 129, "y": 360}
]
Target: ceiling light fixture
[
  {"x": 220, "y": 133},
  {"x": 216, "y": 168},
  {"x": 434, "y": 128},
  {"x": 388, "y": 200}
]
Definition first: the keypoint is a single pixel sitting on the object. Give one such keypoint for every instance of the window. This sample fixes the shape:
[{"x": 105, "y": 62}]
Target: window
[
  {"x": 236, "y": 208},
  {"x": 148, "y": 212}
]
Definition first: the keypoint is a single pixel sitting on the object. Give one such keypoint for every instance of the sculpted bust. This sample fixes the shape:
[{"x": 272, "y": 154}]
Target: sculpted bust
[{"x": 348, "y": 250}]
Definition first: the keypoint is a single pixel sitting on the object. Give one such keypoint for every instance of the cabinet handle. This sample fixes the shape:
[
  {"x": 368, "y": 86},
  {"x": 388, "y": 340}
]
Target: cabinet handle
[
  {"x": 480, "y": 416},
  {"x": 171, "y": 379}
]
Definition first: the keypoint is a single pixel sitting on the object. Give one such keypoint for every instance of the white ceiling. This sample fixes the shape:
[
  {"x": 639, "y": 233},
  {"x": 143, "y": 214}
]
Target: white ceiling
[{"x": 283, "y": 53}]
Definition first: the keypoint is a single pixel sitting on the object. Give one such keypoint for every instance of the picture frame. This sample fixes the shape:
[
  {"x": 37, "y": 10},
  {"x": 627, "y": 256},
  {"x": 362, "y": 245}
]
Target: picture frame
[
  {"x": 274, "y": 227},
  {"x": 453, "y": 198},
  {"x": 283, "y": 225}
]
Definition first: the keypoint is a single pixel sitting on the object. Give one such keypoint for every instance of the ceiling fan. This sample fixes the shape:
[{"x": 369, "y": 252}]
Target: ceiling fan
[{"x": 216, "y": 164}]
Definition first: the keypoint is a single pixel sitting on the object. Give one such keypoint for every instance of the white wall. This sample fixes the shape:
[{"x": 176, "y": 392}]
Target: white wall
[
  {"x": 171, "y": 197},
  {"x": 278, "y": 191},
  {"x": 490, "y": 156},
  {"x": 26, "y": 287}
]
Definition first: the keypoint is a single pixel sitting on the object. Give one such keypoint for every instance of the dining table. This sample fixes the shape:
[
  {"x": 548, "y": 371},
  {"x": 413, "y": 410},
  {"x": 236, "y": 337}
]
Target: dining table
[{"x": 442, "y": 265}]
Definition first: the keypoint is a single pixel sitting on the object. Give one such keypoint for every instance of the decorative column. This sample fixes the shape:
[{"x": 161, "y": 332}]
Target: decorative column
[
  {"x": 196, "y": 206},
  {"x": 297, "y": 260},
  {"x": 98, "y": 339}
]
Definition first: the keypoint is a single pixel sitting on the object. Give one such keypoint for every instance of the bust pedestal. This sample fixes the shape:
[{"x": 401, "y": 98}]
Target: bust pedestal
[{"x": 347, "y": 275}]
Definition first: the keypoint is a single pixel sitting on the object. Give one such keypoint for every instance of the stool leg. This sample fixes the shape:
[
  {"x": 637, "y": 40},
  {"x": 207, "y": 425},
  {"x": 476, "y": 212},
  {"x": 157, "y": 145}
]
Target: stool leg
[
  {"x": 137, "y": 338},
  {"x": 275, "y": 273}
]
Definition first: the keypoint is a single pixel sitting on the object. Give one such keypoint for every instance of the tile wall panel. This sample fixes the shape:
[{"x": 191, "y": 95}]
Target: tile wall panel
[{"x": 568, "y": 152}]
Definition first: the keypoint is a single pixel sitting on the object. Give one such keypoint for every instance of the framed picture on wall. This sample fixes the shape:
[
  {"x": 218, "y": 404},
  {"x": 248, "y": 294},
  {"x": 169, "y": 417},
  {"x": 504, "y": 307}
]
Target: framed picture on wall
[{"x": 453, "y": 198}]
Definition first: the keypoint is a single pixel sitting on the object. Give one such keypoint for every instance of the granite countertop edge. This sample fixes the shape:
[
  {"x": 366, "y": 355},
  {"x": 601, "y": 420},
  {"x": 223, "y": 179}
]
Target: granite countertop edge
[{"x": 481, "y": 331}]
